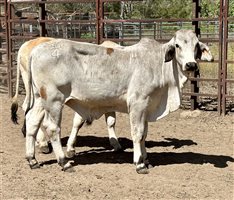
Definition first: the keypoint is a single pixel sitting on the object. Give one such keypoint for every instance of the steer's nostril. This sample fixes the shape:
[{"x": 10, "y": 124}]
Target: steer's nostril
[{"x": 191, "y": 66}]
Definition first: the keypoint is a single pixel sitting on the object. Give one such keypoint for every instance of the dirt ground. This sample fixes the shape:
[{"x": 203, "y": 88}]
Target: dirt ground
[{"x": 191, "y": 154}]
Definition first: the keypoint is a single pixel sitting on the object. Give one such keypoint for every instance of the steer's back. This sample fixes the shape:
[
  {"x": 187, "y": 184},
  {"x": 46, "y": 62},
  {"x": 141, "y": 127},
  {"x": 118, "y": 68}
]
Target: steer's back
[{"x": 88, "y": 68}]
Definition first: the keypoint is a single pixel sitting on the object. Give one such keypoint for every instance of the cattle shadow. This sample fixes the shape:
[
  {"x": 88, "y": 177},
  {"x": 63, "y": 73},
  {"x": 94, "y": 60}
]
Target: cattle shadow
[
  {"x": 101, "y": 153},
  {"x": 97, "y": 156},
  {"x": 93, "y": 141},
  {"x": 156, "y": 159}
]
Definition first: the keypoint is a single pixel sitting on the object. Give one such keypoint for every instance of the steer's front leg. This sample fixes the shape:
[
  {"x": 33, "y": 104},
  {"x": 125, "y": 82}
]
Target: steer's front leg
[{"x": 139, "y": 132}]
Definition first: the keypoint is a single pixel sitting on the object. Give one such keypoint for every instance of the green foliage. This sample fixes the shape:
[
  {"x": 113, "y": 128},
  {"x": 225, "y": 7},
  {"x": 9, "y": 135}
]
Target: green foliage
[
  {"x": 231, "y": 8},
  {"x": 71, "y": 7},
  {"x": 168, "y": 9},
  {"x": 160, "y": 9},
  {"x": 87, "y": 36},
  {"x": 210, "y": 8},
  {"x": 113, "y": 10}
]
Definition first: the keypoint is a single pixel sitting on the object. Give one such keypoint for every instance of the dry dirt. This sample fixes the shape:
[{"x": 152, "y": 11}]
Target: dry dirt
[{"x": 191, "y": 154}]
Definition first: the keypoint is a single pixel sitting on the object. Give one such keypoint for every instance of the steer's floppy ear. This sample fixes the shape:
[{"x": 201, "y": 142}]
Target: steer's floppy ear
[
  {"x": 203, "y": 52},
  {"x": 170, "y": 53}
]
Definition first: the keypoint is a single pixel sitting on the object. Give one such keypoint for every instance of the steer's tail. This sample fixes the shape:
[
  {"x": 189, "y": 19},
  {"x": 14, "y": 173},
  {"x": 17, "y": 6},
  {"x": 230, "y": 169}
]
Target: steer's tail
[
  {"x": 14, "y": 105},
  {"x": 30, "y": 100}
]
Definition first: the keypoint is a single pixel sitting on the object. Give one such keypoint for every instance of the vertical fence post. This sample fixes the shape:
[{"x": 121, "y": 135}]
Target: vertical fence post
[
  {"x": 220, "y": 57},
  {"x": 42, "y": 14},
  {"x": 6, "y": 29},
  {"x": 101, "y": 14},
  {"x": 99, "y": 22},
  {"x": 224, "y": 55},
  {"x": 223, "y": 45},
  {"x": 7, "y": 43},
  {"x": 1, "y": 31},
  {"x": 194, "y": 84},
  {"x": 122, "y": 35},
  {"x": 140, "y": 30},
  {"x": 9, "y": 46}
]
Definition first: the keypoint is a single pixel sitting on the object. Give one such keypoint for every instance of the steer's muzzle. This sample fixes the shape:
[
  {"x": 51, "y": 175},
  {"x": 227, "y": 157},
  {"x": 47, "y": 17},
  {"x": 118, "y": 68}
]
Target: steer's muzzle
[{"x": 191, "y": 66}]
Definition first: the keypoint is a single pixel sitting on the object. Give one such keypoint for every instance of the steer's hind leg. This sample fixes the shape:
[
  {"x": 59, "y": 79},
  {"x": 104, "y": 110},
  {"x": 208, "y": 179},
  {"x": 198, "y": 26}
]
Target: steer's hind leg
[
  {"x": 138, "y": 132},
  {"x": 42, "y": 141},
  {"x": 110, "y": 121},
  {"x": 52, "y": 123},
  {"x": 33, "y": 121},
  {"x": 77, "y": 124}
]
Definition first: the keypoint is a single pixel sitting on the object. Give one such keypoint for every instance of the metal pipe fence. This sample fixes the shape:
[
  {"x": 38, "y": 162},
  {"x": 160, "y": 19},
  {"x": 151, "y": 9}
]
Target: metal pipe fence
[{"x": 23, "y": 20}]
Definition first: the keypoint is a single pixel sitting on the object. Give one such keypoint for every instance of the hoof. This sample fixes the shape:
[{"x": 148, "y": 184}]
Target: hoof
[
  {"x": 149, "y": 166},
  {"x": 71, "y": 154},
  {"x": 115, "y": 144},
  {"x": 33, "y": 164},
  {"x": 36, "y": 166},
  {"x": 45, "y": 149},
  {"x": 68, "y": 167},
  {"x": 65, "y": 164},
  {"x": 142, "y": 171}
]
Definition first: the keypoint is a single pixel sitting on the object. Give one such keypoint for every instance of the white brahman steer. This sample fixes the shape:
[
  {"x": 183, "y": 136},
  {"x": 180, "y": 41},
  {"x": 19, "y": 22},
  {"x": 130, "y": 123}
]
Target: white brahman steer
[
  {"x": 22, "y": 66},
  {"x": 144, "y": 80}
]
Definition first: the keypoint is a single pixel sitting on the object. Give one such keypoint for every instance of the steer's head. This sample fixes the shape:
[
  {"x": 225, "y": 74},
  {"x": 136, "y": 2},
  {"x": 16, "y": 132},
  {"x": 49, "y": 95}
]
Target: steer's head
[{"x": 186, "y": 48}]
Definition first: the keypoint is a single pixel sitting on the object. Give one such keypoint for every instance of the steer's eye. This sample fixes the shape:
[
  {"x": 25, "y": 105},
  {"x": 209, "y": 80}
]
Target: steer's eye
[{"x": 177, "y": 46}]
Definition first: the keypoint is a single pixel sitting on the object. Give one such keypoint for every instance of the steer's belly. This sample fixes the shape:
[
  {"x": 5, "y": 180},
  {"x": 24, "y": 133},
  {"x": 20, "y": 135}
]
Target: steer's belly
[{"x": 95, "y": 109}]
